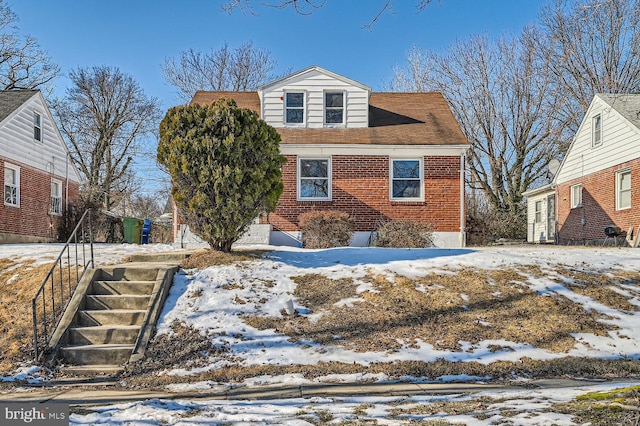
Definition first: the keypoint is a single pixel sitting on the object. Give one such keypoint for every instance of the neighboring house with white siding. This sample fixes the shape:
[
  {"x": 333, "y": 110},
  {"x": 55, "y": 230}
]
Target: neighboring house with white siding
[
  {"x": 38, "y": 178},
  {"x": 375, "y": 156},
  {"x": 541, "y": 221},
  {"x": 598, "y": 181}
]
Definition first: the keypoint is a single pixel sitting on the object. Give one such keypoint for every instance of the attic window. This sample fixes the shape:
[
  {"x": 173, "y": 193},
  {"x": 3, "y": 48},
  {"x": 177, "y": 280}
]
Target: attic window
[
  {"x": 334, "y": 107},
  {"x": 597, "y": 131},
  {"x": 37, "y": 127},
  {"x": 294, "y": 107}
]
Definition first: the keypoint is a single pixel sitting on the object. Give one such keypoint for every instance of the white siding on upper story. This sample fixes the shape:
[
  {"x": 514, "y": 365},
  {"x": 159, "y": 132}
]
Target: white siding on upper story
[
  {"x": 18, "y": 143},
  {"x": 620, "y": 143},
  {"x": 314, "y": 84}
]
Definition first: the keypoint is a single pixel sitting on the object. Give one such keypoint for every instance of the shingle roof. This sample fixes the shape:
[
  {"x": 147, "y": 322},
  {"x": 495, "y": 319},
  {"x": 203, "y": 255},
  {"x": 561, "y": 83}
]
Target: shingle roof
[
  {"x": 394, "y": 119},
  {"x": 10, "y": 100},
  {"x": 627, "y": 105}
]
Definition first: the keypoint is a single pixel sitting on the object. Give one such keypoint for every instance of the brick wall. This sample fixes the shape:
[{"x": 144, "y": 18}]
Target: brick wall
[
  {"x": 32, "y": 218},
  {"x": 360, "y": 187},
  {"x": 598, "y": 205}
]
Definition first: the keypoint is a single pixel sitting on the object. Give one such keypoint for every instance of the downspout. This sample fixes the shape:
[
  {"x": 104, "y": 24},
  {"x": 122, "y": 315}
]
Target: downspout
[
  {"x": 66, "y": 183},
  {"x": 463, "y": 225}
]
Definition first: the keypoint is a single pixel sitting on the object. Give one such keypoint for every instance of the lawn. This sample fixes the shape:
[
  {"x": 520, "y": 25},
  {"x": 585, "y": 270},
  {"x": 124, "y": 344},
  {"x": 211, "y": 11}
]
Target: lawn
[{"x": 501, "y": 314}]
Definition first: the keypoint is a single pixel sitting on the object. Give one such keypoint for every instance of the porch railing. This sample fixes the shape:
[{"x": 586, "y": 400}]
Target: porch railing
[{"x": 52, "y": 297}]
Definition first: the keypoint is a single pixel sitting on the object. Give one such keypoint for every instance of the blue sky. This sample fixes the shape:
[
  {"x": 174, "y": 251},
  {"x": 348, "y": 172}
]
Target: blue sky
[{"x": 137, "y": 35}]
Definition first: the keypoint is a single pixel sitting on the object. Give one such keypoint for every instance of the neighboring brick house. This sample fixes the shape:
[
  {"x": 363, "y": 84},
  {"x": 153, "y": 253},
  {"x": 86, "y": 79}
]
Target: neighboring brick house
[
  {"x": 598, "y": 180},
  {"x": 38, "y": 179},
  {"x": 375, "y": 156}
]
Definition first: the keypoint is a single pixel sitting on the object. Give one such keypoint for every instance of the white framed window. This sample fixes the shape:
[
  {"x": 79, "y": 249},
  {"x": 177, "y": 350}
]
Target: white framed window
[
  {"x": 333, "y": 108},
  {"x": 314, "y": 179},
  {"x": 37, "y": 126},
  {"x": 623, "y": 189},
  {"x": 11, "y": 185},
  {"x": 596, "y": 123},
  {"x": 576, "y": 195},
  {"x": 407, "y": 179},
  {"x": 538, "y": 211},
  {"x": 56, "y": 197},
  {"x": 294, "y": 106}
]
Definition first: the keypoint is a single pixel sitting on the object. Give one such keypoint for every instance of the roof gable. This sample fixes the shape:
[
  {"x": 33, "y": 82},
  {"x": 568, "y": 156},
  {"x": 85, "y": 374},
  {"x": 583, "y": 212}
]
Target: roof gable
[
  {"x": 309, "y": 70},
  {"x": 620, "y": 115}
]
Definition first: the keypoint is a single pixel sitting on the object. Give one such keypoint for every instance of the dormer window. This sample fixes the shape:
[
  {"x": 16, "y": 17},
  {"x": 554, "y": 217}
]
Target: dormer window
[
  {"x": 334, "y": 107},
  {"x": 294, "y": 107},
  {"x": 597, "y": 131}
]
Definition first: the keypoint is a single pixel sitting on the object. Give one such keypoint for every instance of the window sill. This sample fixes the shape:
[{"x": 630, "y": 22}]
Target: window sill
[{"x": 413, "y": 202}]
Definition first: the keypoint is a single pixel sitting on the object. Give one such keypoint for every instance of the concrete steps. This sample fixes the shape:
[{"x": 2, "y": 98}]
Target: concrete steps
[{"x": 111, "y": 317}]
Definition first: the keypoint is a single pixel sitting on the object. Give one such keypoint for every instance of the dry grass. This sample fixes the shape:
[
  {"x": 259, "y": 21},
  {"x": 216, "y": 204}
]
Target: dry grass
[
  {"x": 442, "y": 310},
  {"x": 618, "y": 407},
  {"x": 501, "y": 371},
  {"x": 600, "y": 287},
  {"x": 17, "y": 287},
  {"x": 205, "y": 258}
]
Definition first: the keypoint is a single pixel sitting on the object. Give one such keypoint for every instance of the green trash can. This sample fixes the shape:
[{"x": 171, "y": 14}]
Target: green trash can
[{"x": 133, "y": 230}]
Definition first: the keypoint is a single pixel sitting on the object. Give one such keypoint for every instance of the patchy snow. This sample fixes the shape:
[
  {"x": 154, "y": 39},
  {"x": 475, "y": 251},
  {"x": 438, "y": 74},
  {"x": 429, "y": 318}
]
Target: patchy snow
[{"x": 226, "y": 293}]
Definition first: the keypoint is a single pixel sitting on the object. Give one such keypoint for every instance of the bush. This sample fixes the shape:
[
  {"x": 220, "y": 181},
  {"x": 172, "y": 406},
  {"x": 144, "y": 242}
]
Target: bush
[
  {"x": 403, "y": 234},
  {"x": 325, "y": 229}
]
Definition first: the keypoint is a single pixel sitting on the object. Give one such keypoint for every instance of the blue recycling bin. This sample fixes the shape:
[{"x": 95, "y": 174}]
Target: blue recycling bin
[{"x": 146, "y": 230}]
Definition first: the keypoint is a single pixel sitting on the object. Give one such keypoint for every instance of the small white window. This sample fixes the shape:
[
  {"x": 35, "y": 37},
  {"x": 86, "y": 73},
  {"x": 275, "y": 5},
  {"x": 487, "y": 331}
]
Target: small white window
[
  {"x": 294, "y": 107},
  {"x": 314, "y": 179},
  {"x": 576, "y": 196},
  {"x": 597, "y": 131},
  {"x": 406, "y": 179},
  {"x": 538, "y": 211},
  {"x": 623, "y": 189},
  {"x": 334, "y": 107},
  {"x": 11, "y": 185},
  {"x": 56, "y": 196},
  {"x": 37, "y": 127}
]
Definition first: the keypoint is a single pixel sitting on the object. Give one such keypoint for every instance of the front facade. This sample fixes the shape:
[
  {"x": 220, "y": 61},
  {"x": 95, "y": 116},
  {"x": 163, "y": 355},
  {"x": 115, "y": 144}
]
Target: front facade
[
  {"x": 37, "y": 178},
  {"x": 596, "y": 186},
  {"x": 375, "y": 156}
]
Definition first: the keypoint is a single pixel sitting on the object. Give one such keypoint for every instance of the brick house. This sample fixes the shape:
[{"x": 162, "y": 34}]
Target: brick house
[
  {"x": 38, "y": 179},
  {"x": 597, "y": 182},
  {"x": 375, "y": 156}
]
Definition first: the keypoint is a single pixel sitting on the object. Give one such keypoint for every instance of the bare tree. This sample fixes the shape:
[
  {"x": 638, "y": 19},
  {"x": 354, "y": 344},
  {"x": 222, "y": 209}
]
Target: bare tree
[
  {"x": 23, "y": 64},
  {"x": 595, "y": 48},
  {"x": 104, "y": 117},
  {"x": 503, "y": 94},
  {"x": 307, "y": 7},
  {"x": 244, "y": 68}
]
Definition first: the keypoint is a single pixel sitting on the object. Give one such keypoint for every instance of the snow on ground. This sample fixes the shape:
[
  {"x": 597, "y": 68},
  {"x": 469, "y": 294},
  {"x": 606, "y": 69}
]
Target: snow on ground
[
  {"x": 216, "y": 313},
  {"x": 104, "y": 254},
  {"x": 513, "y": 407}
]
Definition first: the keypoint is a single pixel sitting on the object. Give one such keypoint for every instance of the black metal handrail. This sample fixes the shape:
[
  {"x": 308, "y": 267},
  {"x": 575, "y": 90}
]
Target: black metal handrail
[{"x": 50, "y": 300}]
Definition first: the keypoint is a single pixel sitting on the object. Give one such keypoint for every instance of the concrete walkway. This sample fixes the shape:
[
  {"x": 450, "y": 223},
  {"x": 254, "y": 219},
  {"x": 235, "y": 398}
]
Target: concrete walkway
[{"x": 78, "y": 394}]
